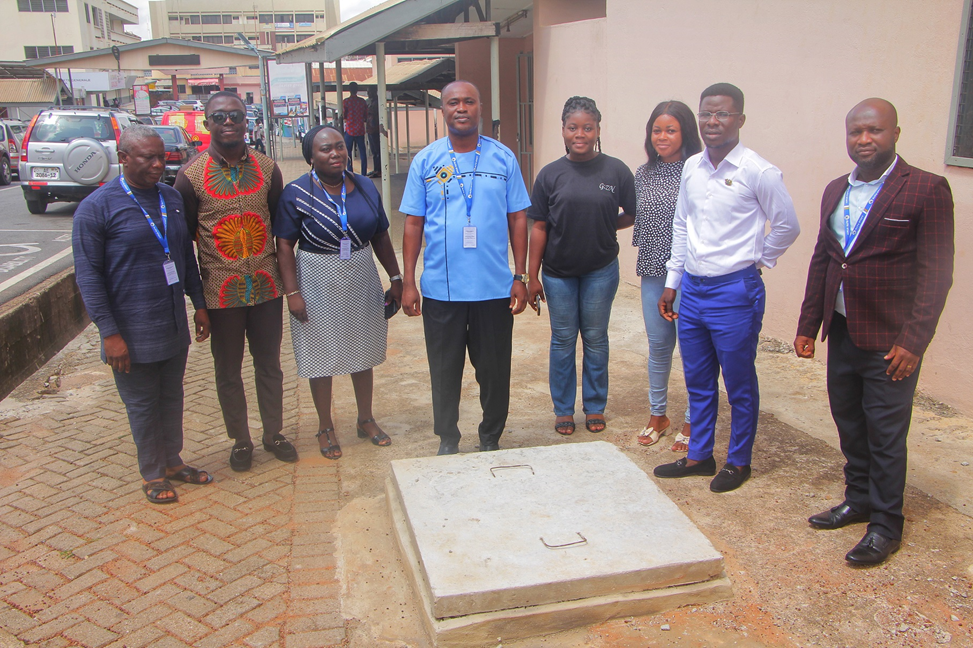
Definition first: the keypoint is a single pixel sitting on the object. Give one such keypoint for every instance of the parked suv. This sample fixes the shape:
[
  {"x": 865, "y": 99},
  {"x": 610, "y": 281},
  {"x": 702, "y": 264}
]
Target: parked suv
[
  {"x": 69, "y": 152},
  {"x": 11, "y": 134}
]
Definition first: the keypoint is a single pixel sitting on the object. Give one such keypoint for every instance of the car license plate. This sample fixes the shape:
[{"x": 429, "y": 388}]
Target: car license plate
[{"x": 44, "y": 173}]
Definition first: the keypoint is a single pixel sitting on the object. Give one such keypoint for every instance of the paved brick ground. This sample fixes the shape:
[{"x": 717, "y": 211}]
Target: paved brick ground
[{"x": 85, "y": 561}]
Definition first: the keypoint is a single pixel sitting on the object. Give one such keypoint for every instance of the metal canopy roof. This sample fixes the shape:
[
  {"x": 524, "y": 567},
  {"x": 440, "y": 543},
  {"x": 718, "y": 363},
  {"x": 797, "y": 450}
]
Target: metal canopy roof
[
  {"x": 428, "y": 74},
  {"x": 29, "y": 91},
  {"x": 136, "y": 56},
  {"x": 412, "y": 27}
]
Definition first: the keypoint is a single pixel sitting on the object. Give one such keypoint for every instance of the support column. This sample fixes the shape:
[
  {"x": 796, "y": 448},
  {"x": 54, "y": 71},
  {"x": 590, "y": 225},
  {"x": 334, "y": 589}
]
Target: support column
[
  {"x": 426, "y": 97},
  {"x": 324, "y": 103},
  {"x": 408, "y": 137},
  {"x": 495, "y": 85},
  {"x": 383, "y": 126},
  {"x": 340, "y": 115},
  {"x": 175, "y": 88},
  {"x": 309, "y": 88},
  {"x": 395, "y": 118},
  {"x": 222, "y": 83}
]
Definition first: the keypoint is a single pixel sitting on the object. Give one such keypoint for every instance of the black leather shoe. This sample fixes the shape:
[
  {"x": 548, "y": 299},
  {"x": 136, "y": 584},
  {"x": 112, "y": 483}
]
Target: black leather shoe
[
  {"x": 489, "y": 447},
  {"x": 873, "y": 549},
  {"x": 837, "y": 517},
  {"x": 241, "y": 457},
  {"x": 448, "y": 447},
  {"x": 730, "y": 478},
  {"x": 706, "y": 468},
  {"x": 283, "y": 449}
]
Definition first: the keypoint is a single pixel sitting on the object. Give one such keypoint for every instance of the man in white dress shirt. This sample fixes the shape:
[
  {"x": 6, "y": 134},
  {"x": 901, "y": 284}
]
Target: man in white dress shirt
[{"x": 727, "y": 196}]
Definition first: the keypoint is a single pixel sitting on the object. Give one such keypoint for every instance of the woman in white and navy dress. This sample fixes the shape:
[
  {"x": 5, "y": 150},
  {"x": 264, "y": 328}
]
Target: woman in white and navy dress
[{"x": 333, "y": 289}]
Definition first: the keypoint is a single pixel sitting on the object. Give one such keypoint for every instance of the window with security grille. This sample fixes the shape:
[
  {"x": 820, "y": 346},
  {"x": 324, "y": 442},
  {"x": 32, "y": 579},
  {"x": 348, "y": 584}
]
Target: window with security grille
[
  {"x": 60, "y": 6},
  {"x": 210, "y": 19},
  {"x": 266, "y": 18},
  {"x": 43, "y": 51},
  {"x": 304, "y": 17},
  {"x": 218, "y": 40},
  {"x": 959, "y": 150}
]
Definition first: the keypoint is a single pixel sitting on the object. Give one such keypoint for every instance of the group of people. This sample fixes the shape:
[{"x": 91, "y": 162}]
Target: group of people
[{"x": 709, "y": 216}]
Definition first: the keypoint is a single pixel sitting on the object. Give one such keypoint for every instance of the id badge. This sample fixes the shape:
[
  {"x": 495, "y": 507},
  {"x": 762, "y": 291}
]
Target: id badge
[
  {"x": 469, "y": 236},
  {"x": 169, "y": 267},
  {"x": 344, "y": 251}
]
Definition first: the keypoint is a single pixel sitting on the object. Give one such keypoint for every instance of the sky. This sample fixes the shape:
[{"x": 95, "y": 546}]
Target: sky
[{"x": 349, "y": 9}]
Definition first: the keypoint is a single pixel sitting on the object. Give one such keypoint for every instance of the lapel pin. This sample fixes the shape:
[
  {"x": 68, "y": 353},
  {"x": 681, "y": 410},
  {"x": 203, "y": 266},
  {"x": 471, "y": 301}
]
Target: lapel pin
[{"x": 729, "y": 182}]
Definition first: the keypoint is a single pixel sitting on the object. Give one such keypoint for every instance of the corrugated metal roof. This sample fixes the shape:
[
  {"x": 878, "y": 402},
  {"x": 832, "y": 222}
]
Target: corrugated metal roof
[{"x": 28, "y": 91}]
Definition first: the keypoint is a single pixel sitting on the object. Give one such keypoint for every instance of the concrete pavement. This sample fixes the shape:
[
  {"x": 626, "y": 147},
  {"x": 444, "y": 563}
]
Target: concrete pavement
[{"x": 299, "y": 555}]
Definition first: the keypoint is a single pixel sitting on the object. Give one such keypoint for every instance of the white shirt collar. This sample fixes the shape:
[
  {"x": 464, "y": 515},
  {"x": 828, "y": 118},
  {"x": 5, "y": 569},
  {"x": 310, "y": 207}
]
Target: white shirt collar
[
  {"x": 734, "y": 157},
  {"x": 853, "y": 176}
]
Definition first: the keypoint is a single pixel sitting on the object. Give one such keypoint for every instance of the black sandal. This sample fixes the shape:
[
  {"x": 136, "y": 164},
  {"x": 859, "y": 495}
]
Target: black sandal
[
  {"x": 380, "y": 439},
  {"x": 333, "y": 451},
  {"x": 190, "y": 475},
  {"x": 596, "y": 425},
  {"x": 564, "y": 427},
  {"x": 156, "y": 487}
]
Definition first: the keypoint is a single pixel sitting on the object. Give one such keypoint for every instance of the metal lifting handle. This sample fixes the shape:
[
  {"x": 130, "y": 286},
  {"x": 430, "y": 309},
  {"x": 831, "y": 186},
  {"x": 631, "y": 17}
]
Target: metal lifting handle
[
  {"x": 582, "y": 541},
  {"x": 494, "y": 468}
]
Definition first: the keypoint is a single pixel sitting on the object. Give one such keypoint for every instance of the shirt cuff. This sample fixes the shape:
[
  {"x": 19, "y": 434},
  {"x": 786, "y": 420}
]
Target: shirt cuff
[{"x": 673, "y": 279}]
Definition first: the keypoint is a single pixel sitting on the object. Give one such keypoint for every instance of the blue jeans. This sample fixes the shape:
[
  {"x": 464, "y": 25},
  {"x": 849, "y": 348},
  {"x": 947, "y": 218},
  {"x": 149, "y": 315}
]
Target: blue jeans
[
  {"x": 719, "y": 328},
  {"x": 153, "y": 397},
  {"x": 357, "y": 140},
  {"x": 662, "y": 342},
  {"x": 580, "y": 305}
]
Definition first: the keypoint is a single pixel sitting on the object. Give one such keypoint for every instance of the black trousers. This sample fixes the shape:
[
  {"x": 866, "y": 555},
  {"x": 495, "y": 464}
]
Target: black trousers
[
  {"x": 484, "y": 328},
  {"x": 872, "y": 413},
  {"x": 261, "y": 326},
  {"x": 153, "y": 397},
  {"x": 373, "y": 144}
]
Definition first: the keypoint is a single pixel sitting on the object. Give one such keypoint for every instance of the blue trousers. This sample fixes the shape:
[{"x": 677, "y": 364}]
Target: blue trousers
[
  {"x": 153, "y": 397},
  {"x": 580, "y": 305},
  {"x": 351, "y": 141},
  {"x": 719, "y": 328}
]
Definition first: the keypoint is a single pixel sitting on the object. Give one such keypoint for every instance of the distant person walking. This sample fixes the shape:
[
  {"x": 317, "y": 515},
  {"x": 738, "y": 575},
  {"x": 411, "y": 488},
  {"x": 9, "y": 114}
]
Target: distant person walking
[
  {"x": 374, "y": 128},
  {"x": 134, "y": 262},
  {"x": 355, "y": 112}
]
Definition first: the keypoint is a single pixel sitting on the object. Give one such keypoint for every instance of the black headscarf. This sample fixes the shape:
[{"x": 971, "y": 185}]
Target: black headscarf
[{"x": 307, "y": 145}]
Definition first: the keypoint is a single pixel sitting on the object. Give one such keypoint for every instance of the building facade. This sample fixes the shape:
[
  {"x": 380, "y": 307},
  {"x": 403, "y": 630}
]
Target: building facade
[
  {"x": 39, "y": 28},
  {"x": 269, "y": 24}
]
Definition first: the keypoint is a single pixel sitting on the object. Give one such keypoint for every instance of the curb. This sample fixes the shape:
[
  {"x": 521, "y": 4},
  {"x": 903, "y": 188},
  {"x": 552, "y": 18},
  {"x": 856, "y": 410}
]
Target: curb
[{"x": 36, "y": 325}]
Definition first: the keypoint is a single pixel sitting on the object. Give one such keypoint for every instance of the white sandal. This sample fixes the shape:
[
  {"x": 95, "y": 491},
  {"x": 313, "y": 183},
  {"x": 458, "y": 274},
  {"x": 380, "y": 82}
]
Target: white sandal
[
  {"x": 680, "y": 438},
  {"x": 650, "y": 436}
]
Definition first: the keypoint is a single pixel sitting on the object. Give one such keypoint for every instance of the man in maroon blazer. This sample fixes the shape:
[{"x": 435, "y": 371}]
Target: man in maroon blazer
[{"x": 877, "y": 284}]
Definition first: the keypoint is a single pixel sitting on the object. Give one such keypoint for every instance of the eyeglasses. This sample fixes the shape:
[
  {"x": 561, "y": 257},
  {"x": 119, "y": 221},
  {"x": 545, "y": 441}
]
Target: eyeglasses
[
  {"x": 220, "y": 117},
  {"x": 720, "y": 116}
]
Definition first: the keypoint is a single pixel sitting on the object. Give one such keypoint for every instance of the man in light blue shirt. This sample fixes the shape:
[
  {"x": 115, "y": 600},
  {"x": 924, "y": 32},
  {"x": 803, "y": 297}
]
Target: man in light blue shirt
[{"x": 465, "y": 193}]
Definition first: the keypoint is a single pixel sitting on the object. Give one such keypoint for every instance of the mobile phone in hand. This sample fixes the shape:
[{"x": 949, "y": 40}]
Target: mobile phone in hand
[{"x": 537, "y": 304}]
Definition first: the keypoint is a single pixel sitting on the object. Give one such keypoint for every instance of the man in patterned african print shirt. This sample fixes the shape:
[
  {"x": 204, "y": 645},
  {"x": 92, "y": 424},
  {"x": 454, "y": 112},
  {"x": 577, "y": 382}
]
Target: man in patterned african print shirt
[{"x": 230, "y": 193}]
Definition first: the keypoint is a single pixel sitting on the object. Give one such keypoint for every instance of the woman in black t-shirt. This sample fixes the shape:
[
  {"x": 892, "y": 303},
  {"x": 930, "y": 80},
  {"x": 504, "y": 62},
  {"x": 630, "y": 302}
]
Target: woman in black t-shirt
[{"x": 575, "y": 206}]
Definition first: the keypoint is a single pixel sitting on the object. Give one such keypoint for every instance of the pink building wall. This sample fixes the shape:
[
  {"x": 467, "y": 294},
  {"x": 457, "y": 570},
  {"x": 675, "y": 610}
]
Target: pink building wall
[{"x": 802, "y": 66}]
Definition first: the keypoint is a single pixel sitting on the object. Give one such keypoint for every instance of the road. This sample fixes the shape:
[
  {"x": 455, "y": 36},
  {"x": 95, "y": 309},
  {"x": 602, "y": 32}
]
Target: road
[{"x": 32, "y": 247}]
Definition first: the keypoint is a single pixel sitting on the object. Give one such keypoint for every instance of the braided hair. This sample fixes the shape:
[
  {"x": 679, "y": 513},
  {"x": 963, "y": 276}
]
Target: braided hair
[
  {"x": 585, "y": 105},
  {"x": 307, "y": 144}
]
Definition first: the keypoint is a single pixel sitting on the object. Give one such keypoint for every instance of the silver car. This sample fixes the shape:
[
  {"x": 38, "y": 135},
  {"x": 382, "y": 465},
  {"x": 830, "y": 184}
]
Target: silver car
[
  {"x": 11, "y": 135},
  {"x": 69, "y": 152}
]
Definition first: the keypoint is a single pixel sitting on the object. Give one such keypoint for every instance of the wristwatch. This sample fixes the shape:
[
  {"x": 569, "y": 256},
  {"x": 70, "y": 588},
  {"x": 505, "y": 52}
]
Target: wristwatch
[{"x": 524, "y": 277}]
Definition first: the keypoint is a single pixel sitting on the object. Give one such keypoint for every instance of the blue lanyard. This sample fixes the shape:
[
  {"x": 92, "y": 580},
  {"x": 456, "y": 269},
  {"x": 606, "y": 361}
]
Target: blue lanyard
[
  {"x": 852, "y": 234},
  {"x": 459, "y": 178},
  {"x": 342, "y": 209},
  {"x": 163, "y": 236}
]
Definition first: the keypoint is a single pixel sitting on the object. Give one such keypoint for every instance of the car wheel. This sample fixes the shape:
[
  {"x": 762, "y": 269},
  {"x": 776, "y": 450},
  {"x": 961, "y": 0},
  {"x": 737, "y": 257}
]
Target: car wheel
[
  {"x": 5, "y": 171},
  {"x": 36, "y": 206}
]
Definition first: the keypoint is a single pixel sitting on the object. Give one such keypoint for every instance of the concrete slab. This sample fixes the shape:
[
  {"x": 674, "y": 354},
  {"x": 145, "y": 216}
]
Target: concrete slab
[{"x": 530, "y": 527}]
